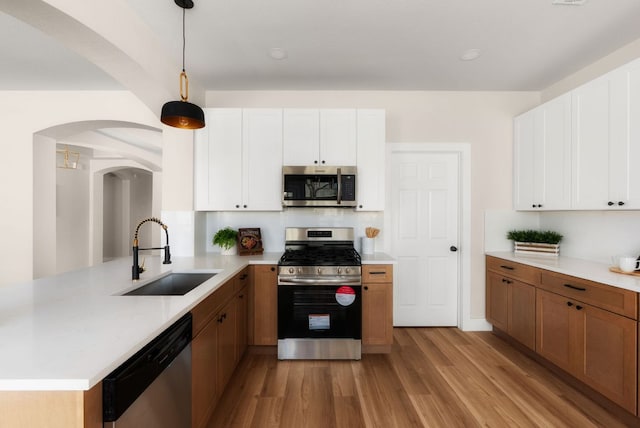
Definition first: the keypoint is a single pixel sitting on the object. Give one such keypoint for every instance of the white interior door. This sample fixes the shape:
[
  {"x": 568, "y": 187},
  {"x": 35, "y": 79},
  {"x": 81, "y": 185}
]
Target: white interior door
[{"x": 424, "y": 209}]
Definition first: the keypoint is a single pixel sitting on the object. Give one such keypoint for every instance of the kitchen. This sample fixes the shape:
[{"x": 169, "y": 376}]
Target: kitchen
[{"x": 482, "y": 118}]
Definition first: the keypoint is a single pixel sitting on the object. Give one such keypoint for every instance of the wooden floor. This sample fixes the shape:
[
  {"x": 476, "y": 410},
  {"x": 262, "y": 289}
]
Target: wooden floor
[{"x": 434, "y": 377}]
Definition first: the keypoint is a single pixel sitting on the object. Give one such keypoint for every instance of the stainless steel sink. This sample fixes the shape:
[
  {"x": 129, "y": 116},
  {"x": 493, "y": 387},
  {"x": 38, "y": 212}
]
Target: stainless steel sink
[{"x": 174, "y": 284}]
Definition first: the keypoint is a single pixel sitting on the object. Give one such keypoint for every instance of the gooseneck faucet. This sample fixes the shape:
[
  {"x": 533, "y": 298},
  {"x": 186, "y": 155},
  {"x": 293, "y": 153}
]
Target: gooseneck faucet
[{"x": 136, "y": 269}]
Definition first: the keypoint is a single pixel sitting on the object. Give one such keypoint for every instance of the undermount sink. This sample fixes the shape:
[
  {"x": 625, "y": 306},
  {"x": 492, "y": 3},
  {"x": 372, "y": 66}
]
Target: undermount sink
[{"x": 174, "y": 284}]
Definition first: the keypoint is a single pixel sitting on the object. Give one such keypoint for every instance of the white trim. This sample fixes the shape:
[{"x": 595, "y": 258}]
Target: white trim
[{"x": 465, "y": 322}]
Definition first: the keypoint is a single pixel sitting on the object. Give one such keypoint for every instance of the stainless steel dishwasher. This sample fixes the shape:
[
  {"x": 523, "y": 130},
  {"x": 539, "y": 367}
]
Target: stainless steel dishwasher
[{"x": 152, "y": 388}]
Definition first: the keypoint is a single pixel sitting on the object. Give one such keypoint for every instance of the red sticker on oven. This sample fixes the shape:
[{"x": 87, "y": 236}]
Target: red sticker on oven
[{"x": 345, "y": 296}]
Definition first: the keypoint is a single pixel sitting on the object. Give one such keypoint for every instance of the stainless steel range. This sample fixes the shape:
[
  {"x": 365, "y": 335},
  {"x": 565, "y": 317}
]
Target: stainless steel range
[{"x": 319, "y": 295}]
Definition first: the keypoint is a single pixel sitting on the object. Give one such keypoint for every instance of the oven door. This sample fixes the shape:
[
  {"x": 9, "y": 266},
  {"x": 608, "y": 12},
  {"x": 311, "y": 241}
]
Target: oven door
[{"x": 319, "y": 311}]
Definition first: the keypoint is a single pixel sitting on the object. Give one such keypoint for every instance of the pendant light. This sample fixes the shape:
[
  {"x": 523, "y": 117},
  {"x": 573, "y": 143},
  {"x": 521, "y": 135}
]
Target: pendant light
[{"x": 183, "y": 114}]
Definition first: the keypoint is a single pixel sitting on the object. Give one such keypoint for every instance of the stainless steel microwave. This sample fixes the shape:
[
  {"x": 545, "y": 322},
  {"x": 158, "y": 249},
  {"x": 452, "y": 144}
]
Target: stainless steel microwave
[{"x": 319, "y": 186}]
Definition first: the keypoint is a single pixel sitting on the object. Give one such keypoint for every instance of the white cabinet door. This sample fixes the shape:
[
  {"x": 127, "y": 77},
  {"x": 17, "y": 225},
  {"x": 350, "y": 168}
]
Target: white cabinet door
[
  {"x": 238, "y": 160},
  {"x": 552, "y": 155},
  {"x": 370, "y": 181},
  {"x": 631, "y": 153},
  {"x": 542, "y": 157},
  {"x": 224, "y": 159},
  {"x": 338, "y": 137},
  {"x": 590, "y": 145},
  {"x": 301, "y": 137},
  {"x": 262, "y": 160},
  {"x": 523, "y": 162}
]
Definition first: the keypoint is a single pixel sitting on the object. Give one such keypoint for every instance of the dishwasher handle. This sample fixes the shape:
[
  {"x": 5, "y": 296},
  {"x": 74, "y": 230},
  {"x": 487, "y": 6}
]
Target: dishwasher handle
[{"x": 126, "y": 383}]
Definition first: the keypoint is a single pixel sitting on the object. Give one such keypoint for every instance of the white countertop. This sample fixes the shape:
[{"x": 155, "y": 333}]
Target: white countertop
[
  {"x": 585, "y": 269},
  {"x": 69, "y": 331}
]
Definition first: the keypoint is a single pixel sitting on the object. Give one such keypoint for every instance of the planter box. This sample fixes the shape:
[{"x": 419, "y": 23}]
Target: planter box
[{"x": 552, "y": 250}]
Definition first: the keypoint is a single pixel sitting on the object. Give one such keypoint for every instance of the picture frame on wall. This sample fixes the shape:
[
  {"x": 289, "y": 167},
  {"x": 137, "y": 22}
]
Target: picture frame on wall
[{"x": 249, "y": 241}]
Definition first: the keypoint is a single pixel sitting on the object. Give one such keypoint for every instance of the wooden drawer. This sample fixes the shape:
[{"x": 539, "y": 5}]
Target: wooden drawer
[
  {"x": 515, "y": 270},
  {"x": 242, "y": 279},
  {"x": 617, "y": 300},
  {"x": 377, "y": 273},
  {"x": 206, "y": 310}
]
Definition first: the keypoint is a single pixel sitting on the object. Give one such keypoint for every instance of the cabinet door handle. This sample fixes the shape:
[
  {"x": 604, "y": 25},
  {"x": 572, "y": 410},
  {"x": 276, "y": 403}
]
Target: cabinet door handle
[
  {"x": 506, "y": 280},
  {"x": 578, "y": 307},
  {"x": 507, "y": 267},
  {"x": 569, "y": 304},
  {"x": 620, "y": 203},
  {"x": 610, "y": 203},
  {"x": 366, "y": 287},
  {"x": 273, "y": 269},
  {"x": 241, "y": 296},
  {"x": 573, "y": 287}
]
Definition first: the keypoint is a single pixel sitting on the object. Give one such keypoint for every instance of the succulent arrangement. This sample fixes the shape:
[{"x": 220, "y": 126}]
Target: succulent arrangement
[{"x": 535, "y": 236}]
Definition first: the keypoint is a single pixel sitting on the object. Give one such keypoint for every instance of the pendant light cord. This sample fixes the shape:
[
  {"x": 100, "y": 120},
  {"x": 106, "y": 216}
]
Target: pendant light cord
[{"x": 184, "y": 39}]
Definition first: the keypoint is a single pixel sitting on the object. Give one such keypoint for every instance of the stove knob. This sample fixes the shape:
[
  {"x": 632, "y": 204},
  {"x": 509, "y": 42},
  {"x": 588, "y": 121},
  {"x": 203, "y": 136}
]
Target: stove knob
[
  {"x": 291, "y": 270},
  {"x": 347, "y": 271},
  {"x": 339, "y": 271},
  {"x": 319, "y": 271}
]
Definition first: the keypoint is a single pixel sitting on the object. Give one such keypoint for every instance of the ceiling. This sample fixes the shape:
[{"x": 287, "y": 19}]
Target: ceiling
[{"x": 347, "y": 44}]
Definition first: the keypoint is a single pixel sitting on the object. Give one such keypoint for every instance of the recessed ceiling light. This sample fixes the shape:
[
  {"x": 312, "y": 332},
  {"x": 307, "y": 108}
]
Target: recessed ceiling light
[
  {"x": 470, "y": 54},
  {"x": 277, "y": 53},
  {"x": 569, "y": 2}
]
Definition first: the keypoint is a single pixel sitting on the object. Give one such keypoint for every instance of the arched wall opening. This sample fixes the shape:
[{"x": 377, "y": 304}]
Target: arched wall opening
[{"x": 115, "y": 183}]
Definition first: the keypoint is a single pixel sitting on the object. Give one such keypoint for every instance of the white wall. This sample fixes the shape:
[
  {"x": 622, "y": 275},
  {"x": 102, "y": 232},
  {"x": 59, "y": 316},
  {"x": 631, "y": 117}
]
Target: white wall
[
  {"x": 482, "y": 119},
  {"x": 22, "y": 114},
  {"x": 72, "y": 219}
]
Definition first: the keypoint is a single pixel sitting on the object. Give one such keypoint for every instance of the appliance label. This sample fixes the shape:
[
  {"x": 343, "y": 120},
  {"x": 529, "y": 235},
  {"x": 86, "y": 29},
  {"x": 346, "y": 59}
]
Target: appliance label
[
  {"x": 345, "y": 296},
  {"x": 319, "y": 322}
]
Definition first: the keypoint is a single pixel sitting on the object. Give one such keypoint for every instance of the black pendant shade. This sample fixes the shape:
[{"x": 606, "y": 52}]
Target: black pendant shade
[{"x": 182, "y": 114}]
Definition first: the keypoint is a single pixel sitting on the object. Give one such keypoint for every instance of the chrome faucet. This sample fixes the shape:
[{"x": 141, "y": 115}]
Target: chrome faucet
[{"x": 136, "y": 270}]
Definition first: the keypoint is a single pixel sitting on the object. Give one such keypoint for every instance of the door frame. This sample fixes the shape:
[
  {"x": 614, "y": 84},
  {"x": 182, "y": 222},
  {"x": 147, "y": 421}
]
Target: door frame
[{"x": 463, "y": 151}]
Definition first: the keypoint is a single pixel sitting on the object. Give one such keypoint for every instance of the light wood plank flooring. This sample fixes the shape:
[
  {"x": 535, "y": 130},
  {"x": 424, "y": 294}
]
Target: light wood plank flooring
[{"x": 434, "y": 377}]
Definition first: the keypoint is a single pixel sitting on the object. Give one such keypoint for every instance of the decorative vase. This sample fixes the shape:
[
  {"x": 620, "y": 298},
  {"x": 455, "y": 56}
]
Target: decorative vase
[
  {"x": 229, "y": 251},
  {"x": 536, "y": 248}
]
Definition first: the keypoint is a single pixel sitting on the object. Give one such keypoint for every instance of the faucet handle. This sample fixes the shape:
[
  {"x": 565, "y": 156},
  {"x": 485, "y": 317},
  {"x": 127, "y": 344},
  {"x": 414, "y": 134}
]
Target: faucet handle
[{"x": 141, "y": 268}]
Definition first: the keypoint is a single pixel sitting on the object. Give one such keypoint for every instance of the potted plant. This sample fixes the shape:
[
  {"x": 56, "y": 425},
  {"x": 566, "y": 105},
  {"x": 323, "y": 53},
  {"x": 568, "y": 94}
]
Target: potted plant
[
  {"x": 541, "y": 242},
  {"x": 226, "y": 239}
]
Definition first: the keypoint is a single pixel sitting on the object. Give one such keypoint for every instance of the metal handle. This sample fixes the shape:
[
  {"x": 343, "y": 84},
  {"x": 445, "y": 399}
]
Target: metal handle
[
  {"x": 339, "y": 185},
  {"x": 378, "y": 273},
  {"x": 318, "y": 281},
  {"x": 610, "y": 203},
  {"x": 573, "y": 287},
  {"x": 453, "y": 248},
  {"x": 507, "y": 267}
]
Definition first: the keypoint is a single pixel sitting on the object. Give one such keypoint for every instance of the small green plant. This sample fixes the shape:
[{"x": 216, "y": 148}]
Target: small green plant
[
  {"x": 537, "y": 236},
  {"x": 225, "y": 238}
]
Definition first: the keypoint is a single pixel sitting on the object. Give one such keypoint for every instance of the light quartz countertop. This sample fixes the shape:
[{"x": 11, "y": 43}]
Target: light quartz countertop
[
  {"x": 585, "y": 269},
  {"x": 69, "y": 331}
]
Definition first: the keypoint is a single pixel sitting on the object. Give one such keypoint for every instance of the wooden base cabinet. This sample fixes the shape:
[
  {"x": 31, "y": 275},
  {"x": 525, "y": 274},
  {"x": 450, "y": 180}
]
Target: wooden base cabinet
[
  {"x": 219, "y": 341},
  {"x": 510, "y": 307},
  {"x": 596, "y": 346},
  {"x": 377, "y": 308}
]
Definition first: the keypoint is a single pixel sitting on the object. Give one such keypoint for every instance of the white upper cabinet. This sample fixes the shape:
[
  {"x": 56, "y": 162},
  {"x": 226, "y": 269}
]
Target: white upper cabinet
[
  {"x": 370, "y": 180},
  {"x": 319, "y": 137},
  {"x": 604, "y": 129},
  {"x": 542, "y": 157},
  {"x": 238, "y": 160},
  {"x": 598, "y": 123}
]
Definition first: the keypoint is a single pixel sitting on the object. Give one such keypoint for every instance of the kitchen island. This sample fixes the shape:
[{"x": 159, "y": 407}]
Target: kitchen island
[{"x": 62, "y": 335}]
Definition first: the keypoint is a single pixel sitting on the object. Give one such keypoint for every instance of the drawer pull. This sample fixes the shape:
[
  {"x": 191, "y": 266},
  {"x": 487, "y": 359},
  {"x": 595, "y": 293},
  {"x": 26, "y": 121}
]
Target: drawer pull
[
  {"x": 507, "y": 267},
  {"x": 378, "y": 273},
  {"x": 573, "y": 287},
  {"x": 506, "y": 280}
]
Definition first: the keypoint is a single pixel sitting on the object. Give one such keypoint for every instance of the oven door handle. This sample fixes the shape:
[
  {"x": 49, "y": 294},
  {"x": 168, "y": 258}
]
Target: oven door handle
[{"x": 316, "y": 281}]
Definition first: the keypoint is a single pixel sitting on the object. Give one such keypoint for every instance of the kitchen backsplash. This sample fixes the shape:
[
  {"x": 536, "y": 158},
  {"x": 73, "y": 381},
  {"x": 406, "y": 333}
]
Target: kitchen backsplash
[
  {"x": 589, "y": 235},
  {"x": 273, "y": 224}
]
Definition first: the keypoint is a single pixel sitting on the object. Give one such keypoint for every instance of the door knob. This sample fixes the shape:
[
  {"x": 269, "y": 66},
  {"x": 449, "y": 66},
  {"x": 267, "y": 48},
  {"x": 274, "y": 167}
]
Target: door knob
[{"x": 453, "y": 248}]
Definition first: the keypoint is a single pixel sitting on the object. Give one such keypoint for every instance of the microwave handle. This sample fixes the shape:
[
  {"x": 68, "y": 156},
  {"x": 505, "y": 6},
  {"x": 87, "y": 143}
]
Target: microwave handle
[{"x": 339, "y": 186}]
